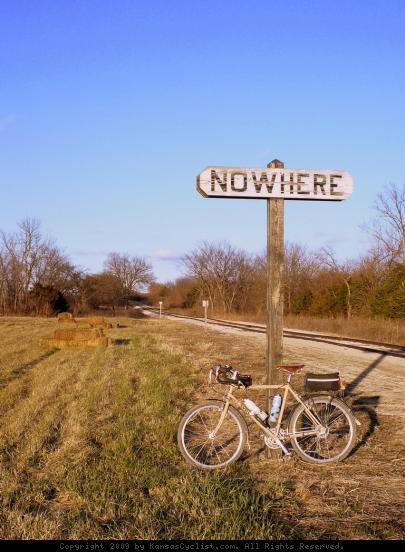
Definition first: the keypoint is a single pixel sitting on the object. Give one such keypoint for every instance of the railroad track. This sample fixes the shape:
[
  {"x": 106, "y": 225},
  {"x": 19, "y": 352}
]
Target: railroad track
[{"x": 388, "y": 349}]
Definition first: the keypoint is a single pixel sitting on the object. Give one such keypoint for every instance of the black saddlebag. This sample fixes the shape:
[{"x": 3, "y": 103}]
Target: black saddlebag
[{"x": 323, "y": 382}]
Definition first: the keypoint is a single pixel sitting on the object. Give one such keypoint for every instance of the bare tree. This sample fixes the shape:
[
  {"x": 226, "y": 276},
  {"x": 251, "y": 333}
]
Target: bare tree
[
  {"x": 21, "y": 252},
  {"x": 27, "y": 260},
  {"x": 223, "y": 273},
  {"x": 300, "y": 267},
  {"x": 134, "y": 273},
  {"x": 373, "y": 267},
  {"x": 199, "y": 265},
  {"x": 388, "y": 229},
  {"x": 342, "y": 270},
  {"x": 102, "y": 289},
  {"x": 3, "y": 282}
]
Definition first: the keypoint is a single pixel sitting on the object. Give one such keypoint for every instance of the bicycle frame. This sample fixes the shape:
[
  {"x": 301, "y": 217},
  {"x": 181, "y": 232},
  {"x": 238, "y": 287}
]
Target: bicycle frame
[{"x": 273, "y": 432}]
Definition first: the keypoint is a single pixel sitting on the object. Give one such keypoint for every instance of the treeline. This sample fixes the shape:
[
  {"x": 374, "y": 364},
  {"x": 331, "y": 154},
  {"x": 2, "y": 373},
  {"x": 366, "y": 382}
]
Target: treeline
[
  {"x": 234, "y": 281},
  {"x": 37, "y": 278},
  {"x": 315, "y": 283}
]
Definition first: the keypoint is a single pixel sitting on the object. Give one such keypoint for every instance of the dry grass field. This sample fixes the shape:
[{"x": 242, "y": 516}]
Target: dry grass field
[
  {"x": 88, "y": 447},
  {"x": 388, "y": 331}
]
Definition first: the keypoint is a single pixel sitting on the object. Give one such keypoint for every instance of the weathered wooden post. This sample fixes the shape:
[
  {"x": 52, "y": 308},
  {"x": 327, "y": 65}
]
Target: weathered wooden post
[{"x": 275, "y": 296}]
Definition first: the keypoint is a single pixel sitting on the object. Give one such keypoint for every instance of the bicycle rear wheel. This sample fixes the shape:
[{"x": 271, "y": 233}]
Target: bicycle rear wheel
[
  {"x": 332, "y": 445},
  {"x": 198, "y": 444}
]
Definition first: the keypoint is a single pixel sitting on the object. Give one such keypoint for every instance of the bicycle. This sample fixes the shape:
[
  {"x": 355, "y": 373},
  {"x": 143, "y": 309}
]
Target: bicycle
[{"x": 321, "y": 428}]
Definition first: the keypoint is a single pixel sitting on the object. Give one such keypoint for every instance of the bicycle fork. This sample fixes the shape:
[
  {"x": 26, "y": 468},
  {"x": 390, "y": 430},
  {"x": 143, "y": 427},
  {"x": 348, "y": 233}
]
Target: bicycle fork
[{"x": 224, "y": 412}]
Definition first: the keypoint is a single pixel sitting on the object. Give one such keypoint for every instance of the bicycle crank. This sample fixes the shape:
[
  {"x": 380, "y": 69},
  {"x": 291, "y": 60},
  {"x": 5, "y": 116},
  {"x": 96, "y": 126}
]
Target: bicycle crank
[
  {"x": 269, "y": 442},
  {"x": 275, "y": 443}
]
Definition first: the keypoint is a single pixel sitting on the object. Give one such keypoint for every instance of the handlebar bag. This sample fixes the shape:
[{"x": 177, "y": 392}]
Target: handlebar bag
[{"x": 246, "y": 380}]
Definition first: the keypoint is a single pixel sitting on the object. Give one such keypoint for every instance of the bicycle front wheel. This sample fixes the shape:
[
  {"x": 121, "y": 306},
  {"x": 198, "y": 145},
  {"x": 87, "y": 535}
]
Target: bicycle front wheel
[
  {"x": 206, "y": 448},
  {"x": 332, "y": 444}
]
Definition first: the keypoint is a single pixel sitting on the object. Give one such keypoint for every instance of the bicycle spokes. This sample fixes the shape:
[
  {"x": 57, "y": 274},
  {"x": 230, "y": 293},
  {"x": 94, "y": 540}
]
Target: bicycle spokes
[
  {"x": 328, "y": 441},
  {"x": 206, "y": 442}
]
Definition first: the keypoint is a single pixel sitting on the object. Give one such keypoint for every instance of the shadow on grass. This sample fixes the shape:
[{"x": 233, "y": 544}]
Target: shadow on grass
[
  {"x": 364, "y": 407},
  {"x": 121, "y": 341},
  {"x": 21, "y": 370}
]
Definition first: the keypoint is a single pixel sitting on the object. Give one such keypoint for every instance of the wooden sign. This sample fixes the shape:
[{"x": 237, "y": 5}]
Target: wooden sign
[
  {"x": 205, "y": 303},
  {"x": 259, "y": 183}
]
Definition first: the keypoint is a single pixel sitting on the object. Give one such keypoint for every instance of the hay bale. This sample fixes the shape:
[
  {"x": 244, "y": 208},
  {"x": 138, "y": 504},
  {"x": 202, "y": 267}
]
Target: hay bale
[
  {"x": 105, "y": 326},
  {"x": 65, "y": 316},
  {"x": 77, "y": 337},
  {"x": 69, "y": 322},
  {"x": 78, "y": 334},
  {"x": 82, "y": 324},
  {"x": 98, "y": 322},
  {"x": 95, "y": 320}
]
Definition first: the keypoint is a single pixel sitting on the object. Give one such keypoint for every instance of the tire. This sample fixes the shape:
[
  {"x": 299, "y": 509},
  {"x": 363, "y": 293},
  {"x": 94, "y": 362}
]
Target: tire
[
  {"x": 195, "y": 427},
  {"x": 337, "y": 443}
]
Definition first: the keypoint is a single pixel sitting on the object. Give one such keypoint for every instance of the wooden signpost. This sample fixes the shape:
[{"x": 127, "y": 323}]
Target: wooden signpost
[{"x": 275, "y": 184}]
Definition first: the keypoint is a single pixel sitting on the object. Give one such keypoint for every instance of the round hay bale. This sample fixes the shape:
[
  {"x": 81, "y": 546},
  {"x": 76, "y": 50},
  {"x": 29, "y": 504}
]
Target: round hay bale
[{"x": 64, "y": 316}]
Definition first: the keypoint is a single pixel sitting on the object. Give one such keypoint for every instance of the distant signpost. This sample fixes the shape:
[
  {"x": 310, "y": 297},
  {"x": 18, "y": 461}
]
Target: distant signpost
[
  {"x": 205, "y": 305},
  {"x": 275, "y": 184}
]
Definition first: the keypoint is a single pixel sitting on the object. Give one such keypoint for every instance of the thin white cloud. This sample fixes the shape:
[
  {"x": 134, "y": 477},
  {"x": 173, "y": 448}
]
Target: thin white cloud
[
  {"x": 6, "y": 121},
  {"x": 166, "y": 255},
  {"x": 339, "y": 239},
  {"x": 163, "y": 253},
  {"x": 90, "y": 253}
]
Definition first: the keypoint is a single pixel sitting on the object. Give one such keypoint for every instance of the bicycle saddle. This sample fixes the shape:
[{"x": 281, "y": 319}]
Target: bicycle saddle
[{"x": 291, "y": 368}]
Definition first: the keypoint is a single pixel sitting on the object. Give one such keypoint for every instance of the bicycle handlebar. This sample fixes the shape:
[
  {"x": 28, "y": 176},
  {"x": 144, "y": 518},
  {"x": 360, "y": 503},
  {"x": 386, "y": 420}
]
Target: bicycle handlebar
[{"x": 227, "y": 375}]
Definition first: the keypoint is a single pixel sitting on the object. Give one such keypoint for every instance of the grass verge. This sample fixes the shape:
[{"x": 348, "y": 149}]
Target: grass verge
[{"x": 88, "y": 450}]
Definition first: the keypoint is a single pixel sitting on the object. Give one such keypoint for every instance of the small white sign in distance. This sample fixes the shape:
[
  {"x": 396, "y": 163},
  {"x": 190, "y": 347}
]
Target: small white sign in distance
[{"x": 265, "y": 183}]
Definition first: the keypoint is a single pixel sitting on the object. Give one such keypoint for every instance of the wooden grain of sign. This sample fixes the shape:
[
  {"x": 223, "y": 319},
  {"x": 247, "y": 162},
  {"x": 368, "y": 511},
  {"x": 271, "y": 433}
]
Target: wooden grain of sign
[{"x": 274, "y": 183}]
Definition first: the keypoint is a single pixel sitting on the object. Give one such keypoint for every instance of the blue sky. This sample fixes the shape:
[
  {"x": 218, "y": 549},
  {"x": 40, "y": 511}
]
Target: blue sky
[{"x": 109, "y": 109}]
